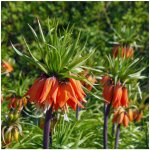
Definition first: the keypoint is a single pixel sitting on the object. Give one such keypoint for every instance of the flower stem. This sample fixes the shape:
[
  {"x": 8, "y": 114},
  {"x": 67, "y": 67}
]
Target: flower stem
[
  {"x": 117, "y": 136},
  {"x": 113, "y": 129},
  {"x": 106, "y": 113},
  {"x": 77, "y": 112},
  {"x": 50, "y": 138},
  {"x": 46, "y": 136}
]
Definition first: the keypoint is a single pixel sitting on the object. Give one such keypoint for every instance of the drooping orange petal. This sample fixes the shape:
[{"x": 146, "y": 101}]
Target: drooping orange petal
[
  {"x": 116, "y": 104},
  {"x": 125, "y": 120},
  {"x": 54, "y": 89},
  {"x": 46, "y": 89},
  {"x": 72, "y": 104},
  {"x": 135, "y": 114},
  {"x": 72, "y": 96},
  {"x": 129, "y": 52},
  {"x": 124, "y": 98},
  {"x": 33, "y": 91},
  {"x": 120, "y": 118},
  {"x": 105, "y": 79},
  {"x": 62, "y": 95},
  {"x": 108, "y": 93},
  {"x": 32, "y": 88},
  {"x": 130, "y": 114},
  {"x": 40, "y": 89},
  {"x": 115, "y": 118},
  {"x": 117, "y": 95},
  {"x": 139, "y": 116},
  {"x": 77, "y": 87}
]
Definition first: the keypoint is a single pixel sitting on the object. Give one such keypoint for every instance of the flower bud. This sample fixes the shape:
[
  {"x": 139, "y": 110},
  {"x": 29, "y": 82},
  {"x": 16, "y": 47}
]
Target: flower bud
[
  {"x": 25, "y": 101},
  {"x": 16, "y": 116},
  {"x": 11, "y": 116},
  {"x": 139, "y": 116},
  {"x": 105, "y": 79},
  {"x": 115, "y": 117},
  {"x": 130, "y": 114},
  {"x": 8, "y": 137},
  {"x": 120, "y": 118},
  {"x": 125, "y": 120},
  {"x": 135, "y": 114},
  {"x": 16, "y": 135}
]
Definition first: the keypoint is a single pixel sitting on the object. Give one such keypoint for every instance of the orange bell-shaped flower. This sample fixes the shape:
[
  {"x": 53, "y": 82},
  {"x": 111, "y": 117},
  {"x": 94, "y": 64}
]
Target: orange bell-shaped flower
[
  {"x": 126, "y": 51},
  {"x": 124, "y": 98},
  {"x": 105, "y": 80},
  {"x": 139, "y": 117},
  {"x": 117, "y": 95},
  {"x": 120, "y": 118},
  {"x": 130, "y": 114},
  {"x": 108, "y": 92},
  {"x": 125, "y": 120},
  {"x": 50, "y": 91}
]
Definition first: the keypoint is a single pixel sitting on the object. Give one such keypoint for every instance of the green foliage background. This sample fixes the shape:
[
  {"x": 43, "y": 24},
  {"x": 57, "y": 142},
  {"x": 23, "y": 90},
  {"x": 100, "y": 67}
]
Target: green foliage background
[{"x": 95, "y": 20}]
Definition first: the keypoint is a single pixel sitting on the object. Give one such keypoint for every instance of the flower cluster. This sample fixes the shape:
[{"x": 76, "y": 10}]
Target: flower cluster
[
  {"x": 11, "y": 129},
  {"x": 115, "y": 94},
  {"x": 50, "y": 91},
  {"x": 17, "y": 102},
  {"x": 121, "y": 116},
  {"x": 126, "y": 51}
]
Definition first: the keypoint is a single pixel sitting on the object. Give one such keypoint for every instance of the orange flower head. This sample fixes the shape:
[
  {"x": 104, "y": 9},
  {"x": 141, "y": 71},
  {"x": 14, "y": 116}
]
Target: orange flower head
[
  {"x": 124, "y": 98},
  {"x": 17, "y": 102},
  {"x": 105, "y": 80},
  {"x": 108, "y": 92},
  {"x": 126, "y": 51},
  {"x": 49, "y": 91},
  {"x": 117, "y": 95},
  {"x": 7, "y": 67}
]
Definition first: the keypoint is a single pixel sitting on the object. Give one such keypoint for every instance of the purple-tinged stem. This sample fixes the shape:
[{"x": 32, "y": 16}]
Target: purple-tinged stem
[
  {"x": 117, "y": 136},
  {"x": 50, "y": 138},
  {"x": 46, "y": 136},
  {"x": 77, "y": 112},
  {"x": 106, "y": 113}
]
